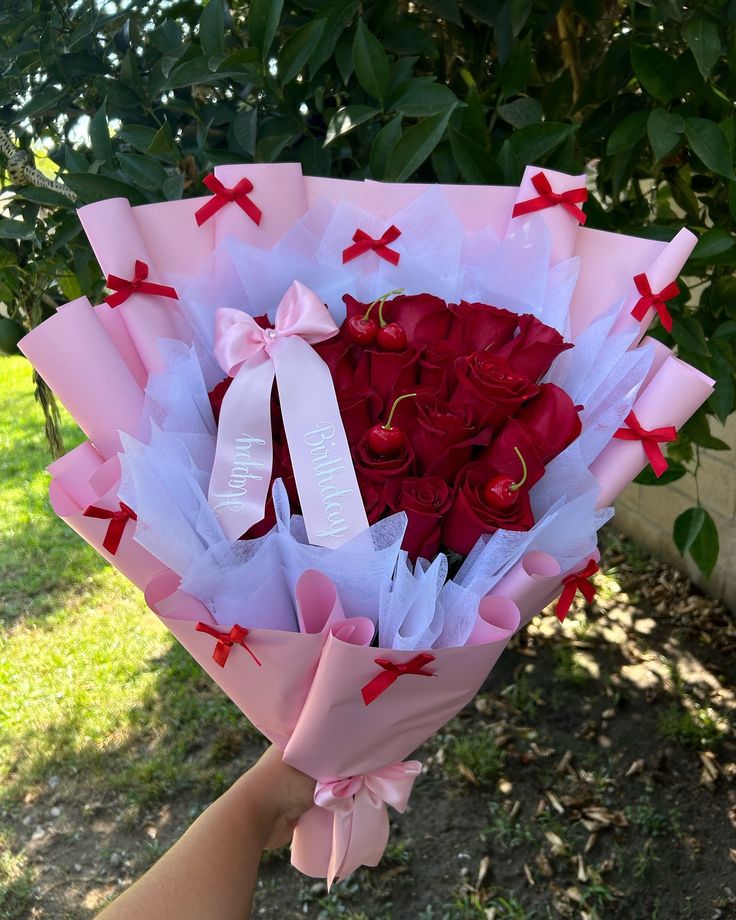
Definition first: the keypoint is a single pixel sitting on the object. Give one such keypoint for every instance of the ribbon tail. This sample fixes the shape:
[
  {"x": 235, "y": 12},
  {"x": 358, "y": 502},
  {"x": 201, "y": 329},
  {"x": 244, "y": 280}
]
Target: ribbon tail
[
  {"x": 655, "y": 456},
  {"x": 114, "y": 535},
  {"x": 360, "y": 839},
  {"x": 241, "y": 474},
  {"x": 320, "y": 453}
]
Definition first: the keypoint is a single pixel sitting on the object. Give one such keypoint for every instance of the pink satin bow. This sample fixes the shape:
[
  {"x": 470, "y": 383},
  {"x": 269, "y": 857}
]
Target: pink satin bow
[
  {"x": 360, "y": 825},
  {"x": 320, "y": 453}
]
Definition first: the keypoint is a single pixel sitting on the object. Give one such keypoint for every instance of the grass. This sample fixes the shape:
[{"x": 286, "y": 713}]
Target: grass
[
  {"x": 93, "y": 690},
  {"x": 474, "y": 757}
]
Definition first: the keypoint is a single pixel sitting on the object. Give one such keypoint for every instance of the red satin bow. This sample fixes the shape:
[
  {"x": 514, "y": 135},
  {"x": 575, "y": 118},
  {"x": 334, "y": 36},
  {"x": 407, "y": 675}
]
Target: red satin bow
[
  {"x": 117, "y": 519},
  {"x": 578, "y": 581},
  {"x": 124, "y": 287},
  {"x": 650, "y": 440},
  {"x": 222, "y": 195},
  {"x": 649, "y": 299},
  {"x": 548, "y": 199},
  {"x": 225, "y": 641},
  {"x": 391, "y": 673},
  {"x": 364, "y": 243}
]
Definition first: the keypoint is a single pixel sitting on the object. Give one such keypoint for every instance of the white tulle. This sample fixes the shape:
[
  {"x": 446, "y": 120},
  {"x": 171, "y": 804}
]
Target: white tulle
[{"x": 166, "y": 472}]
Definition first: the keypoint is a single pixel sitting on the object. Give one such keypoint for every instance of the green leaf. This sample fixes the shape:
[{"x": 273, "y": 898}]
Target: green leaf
[
  {"x": 415, "y": 145},
  {"x": 298, "y": 48},
  {"x": 697, "y": 430},
  {"x": 709, "y": 144},
  {"x": 212, "y": 28},
  {"x": 516, "y": 73},
  {"x": 138, "y": 136},
  {"x": 99, "y": 135},
  {"x": 627, "y": 133},
  {"x": 521, "y": 112},
  {"x": 163, "y": 144},
  {"x": 44, "y": 196},
  {"x": 713, "y": 243},
  {"x": 476, "y": 165},
  {"x": 40, "y": 101},
  {"x": 263, "y": 21},
  {"x": 91, "y": 187},
  {"x": 244, "y": 130},
  {"x": 688, "y": 333},
  {"x": 370, "y": 62},
  {"x": 347, "y": 118},
  {"x": 384, "y": 143},
  {"x": 704, "y": 42},
  {"x": 673, "y": 472},
  {"x": 533, "y": 143},
  {"x": 694, "y": 531},
  {"x": 655, "y": 70},
  {"x": 142, "y": 170},
  {"x": 664, "y": 130},
  {"x": 722, "y": 400},
  {"x": 417, "y": 99},
  {"x": 15, "y": 229}
]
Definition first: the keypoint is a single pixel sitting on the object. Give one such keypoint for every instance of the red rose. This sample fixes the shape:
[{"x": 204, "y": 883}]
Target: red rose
[
  {"x": 217, "y": 395},
  {"x": 377, "y": 468},
  {"x": 478, "y": 326},
  {"x": 359, "y": 408},
  {"x": 471, "y": 515},
  {"x": 534, "y": 349},
  {"x": 387, "y": 371},
  {"x": 374, "y": 501},
  {"x": 490, "y": 385},
  {"x": 501, "y": 456},
  {"x": 551, "y": 420},
  {"x": 336, "y": 354},
  {"x": 425, "y": 499},
  {"x": 443, "y": 436},
  {"x": 436, "y": 367},
  {"x": 423, "y": 317}
]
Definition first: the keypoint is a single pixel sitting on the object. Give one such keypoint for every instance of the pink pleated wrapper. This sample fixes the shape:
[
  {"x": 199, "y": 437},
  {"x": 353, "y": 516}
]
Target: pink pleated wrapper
[{"x": 76, "y": 357}]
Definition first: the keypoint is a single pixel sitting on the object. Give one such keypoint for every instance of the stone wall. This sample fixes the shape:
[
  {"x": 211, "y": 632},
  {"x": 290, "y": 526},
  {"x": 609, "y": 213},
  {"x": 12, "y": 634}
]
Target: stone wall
[{"x": 647, "y": 513}]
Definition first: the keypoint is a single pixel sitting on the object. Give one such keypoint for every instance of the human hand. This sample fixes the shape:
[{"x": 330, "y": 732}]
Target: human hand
[{"x": 283, "y": 794}]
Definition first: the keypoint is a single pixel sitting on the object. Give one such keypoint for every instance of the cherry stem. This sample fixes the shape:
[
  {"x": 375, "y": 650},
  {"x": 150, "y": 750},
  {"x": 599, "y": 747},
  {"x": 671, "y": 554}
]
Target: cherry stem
[
  {"x": 381, "y": 300},
  {"x": 517, "y": 485},
  {"x": 387, "y": 426}
]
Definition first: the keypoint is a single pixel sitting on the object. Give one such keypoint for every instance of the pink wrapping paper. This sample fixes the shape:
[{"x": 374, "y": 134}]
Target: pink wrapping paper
[
  {"x": 530, "y": 583},
  {"x": 172, "y": 238},
  {"x": 661, "y": 353},
  {"x": 496, "y": 616},
  {"x": 112, "y": 230},
  {"x": 608, "y": 264},
  {"x": 114, "y": 325},
  {"x": 676, "y": 391},
  {"x": 72, "y": 489},
  {"x": 278, "y": 190},
  {"x": 77, "y": 359},
  {"x": 272, "y": 695},
  {"x": 562, "y": 226}
]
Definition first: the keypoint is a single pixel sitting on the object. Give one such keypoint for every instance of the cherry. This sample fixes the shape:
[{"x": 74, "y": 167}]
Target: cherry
[
  {"x": 387, "y": 440},
  {"x": 501, "y": 491},
  {"x": 391, "y": 337},
  {"x": 362, "y": 330}
]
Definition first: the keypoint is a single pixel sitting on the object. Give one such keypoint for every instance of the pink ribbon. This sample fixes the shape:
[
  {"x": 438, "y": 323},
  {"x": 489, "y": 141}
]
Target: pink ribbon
[
  {"x": 360, "y": 825},
  {"x": 325, "y": 478}
]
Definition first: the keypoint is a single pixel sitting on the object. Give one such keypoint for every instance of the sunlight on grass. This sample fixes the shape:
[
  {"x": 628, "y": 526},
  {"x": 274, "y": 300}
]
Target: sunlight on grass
[{"x": 92, "y": 687}]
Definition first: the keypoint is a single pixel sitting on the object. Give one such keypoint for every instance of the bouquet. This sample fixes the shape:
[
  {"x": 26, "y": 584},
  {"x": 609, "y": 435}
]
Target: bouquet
[{"x": 349, "y": 437}]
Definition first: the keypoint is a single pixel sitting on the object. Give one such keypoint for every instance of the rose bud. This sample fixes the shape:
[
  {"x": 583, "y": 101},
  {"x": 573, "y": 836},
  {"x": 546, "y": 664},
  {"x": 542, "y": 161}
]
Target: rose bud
[
  {"x": 425, "y": 499},
  {"x": 534, "y": 349}
]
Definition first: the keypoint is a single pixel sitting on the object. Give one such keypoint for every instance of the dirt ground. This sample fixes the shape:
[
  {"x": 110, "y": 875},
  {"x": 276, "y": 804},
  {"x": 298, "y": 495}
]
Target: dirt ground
[{"x": 594, "y": 777}]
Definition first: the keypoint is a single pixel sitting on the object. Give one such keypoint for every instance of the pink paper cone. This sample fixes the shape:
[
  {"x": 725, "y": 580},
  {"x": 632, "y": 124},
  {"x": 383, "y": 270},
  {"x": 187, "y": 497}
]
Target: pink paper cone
[
  {"x": 664, "y": 269},
  {"x": 271, "y": 694},
  {"x": 71, "y": 491},
  {"x": 114, "y": 325},
  {"x": 74, "y": 355},
  {"x": 562, "y": 226},
  {"x": 113, "y": 232},
  {"x": 496, "y": 616},
  {"x": 278, "y": 190},
  {"x": 673, "y": 395},
  {"x": 172, "y": 238},
  {"x": 529, "y": 583}
]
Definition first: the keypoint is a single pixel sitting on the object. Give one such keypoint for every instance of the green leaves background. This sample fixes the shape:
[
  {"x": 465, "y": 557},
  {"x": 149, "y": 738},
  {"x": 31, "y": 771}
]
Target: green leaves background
[{"x": 142, "y": 99}]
